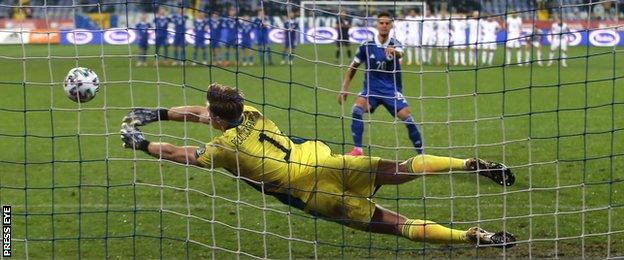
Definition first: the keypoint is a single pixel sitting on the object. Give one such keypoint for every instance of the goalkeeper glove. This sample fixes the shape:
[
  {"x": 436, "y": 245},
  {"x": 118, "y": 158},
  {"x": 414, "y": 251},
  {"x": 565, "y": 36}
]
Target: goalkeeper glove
[
  {"x": 144, "y": 116},
  {"x": 132, "y": 137}
]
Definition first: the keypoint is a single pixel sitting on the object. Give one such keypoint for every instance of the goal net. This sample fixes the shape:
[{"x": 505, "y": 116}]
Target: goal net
[{"x": 553, "y": 116}]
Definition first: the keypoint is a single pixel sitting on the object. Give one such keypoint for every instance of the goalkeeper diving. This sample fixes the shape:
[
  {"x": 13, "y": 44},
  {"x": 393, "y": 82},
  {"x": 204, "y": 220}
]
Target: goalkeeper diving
[{"x": 307, "y": 175}]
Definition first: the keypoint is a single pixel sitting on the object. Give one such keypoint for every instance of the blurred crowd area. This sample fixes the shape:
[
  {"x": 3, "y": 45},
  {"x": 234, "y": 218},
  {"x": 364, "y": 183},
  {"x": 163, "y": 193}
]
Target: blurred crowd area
[
  {"x": 544, "y": 9},
  {"x": 125, "y": 11}
]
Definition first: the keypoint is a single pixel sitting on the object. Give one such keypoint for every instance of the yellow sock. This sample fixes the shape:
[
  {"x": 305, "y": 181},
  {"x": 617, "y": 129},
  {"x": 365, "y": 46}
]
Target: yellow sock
[
  {"x": 431, "y": 163},
  {"x": 431, "y": 232}
]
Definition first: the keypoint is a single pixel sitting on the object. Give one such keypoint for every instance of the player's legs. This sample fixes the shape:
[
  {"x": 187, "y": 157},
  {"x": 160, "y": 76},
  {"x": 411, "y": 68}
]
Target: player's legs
[
  {"x": 409, "y": 54},
  {"x": 264, "y": 53},
  {"x": 360, "y": 107},
  {"x": 554, "y": 46},
  {"x": 472, "y": 55},
  {"x": 412, "y": 129},
  {"x": 394, "y": 173},
  {"x": 142, "y": 55},
  {"x": 338, "y": 49},
  {"x": 491, "y": 50},
  {"x": 507, "y": 55},
  {"x": 285, "y": 50},
  {"x": 291, "y": 54},
  {"x": 204, "y": 54},
  {"x": 385, "y": 221},
  {"x": 462, "y": 55},
  {"x": 484, "y": 53},
  {"x": 564, "y": 51},
  {"x": 347, "y": 45},
  {"x": 226, "y": 57},
  {"x": 518, "y": 52}
]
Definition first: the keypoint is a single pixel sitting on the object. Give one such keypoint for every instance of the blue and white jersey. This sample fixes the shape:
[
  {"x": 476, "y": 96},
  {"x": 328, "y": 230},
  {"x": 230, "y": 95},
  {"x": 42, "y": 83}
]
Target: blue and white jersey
[
  {"x": 229, "y": 26},
  {"x": 262, "y": 29},
  {"x": 215, "y": 29},
  {"x": 179, "y": 22},
  {"x": 245, "y": 28},
  {"x": 383, "y": 74},
  {"x": 199, "y": 28},
  {"x": 291, "y": 30},
  {"x": 142, "y": 29},
  {"x": 161, "y": 24}
]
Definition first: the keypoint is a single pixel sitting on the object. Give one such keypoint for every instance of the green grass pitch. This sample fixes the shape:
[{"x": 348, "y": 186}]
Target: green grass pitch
[{"x": 76, "y": 192}]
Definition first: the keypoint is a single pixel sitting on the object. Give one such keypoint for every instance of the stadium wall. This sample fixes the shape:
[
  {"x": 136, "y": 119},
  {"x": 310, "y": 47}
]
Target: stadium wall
[{"x": 39, "y": 31}]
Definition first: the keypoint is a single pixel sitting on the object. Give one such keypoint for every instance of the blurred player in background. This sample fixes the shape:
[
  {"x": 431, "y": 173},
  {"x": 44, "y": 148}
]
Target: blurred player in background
[
  {"x": 161, "y": 24},
  {"x": 399, "y": 30},
  {"x": 343, "y": 24},
  {"x": 199, "y": 29},
  {"x": 513, "y": 24},
  {"x": 534, "y": 43},
  {"x": 179, "y": 41},
  {"x": 559, "y": 35},
  {"x": 428, "y": 36},
  {"x": 142, "y": 29},
  {"x": 246, "y": 28},
  {"x": 459, "y": 25},
  {"x": 214, "y": 23},
  {"x": 291, "y": 33},
  {"x": 263, "y": 26},
  {"x": 490, "y": 28},
  {"x": 306, "y": 175},
  {"x": 412, "y": 41},
  {"x": 229, "y": 32},
  {"x": 474, "y": 37},
  {"x": 442, "y": 38},
  {"x": 382, "y": 84}
]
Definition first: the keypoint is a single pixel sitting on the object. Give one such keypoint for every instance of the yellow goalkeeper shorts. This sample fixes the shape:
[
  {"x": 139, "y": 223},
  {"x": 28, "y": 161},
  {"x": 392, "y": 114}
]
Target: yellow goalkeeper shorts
[{"x": 344, "y": 185}]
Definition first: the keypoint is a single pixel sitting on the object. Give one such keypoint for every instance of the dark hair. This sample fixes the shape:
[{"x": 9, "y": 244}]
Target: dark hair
[
  {"x": 383, "y": 14},
  {"x": 225, "y": 103}
]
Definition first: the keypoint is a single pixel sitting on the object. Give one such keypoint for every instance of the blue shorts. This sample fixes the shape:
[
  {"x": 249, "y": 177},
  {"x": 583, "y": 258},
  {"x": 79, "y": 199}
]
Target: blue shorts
[
  {"x": 246, "y": 43},
  {"x": 392, "y": 104},
  {"x": 215, "y": 42},
  {"x": 161, "y": 40},
  {"x": 231, "y": 42},
  {"x": 178, "y": 39},
  {"x": 290, "y": 44},
  {"x": 263, "y": 40},
  {"x": 200, "y": 42},
  {"x": 143, "y": 43}
]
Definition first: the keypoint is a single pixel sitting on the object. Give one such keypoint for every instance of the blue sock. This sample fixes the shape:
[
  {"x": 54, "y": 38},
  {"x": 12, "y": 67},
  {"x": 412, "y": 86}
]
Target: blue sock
[
  {"x": 414, "y": 134},
  {"x": 269, "y": 53},
  {"x": 357, "y": 125}
]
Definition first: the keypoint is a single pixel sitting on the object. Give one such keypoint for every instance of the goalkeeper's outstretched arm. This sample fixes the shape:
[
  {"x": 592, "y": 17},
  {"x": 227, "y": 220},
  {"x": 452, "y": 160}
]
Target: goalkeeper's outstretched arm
[
  {"x": 189, "y": 114},
  {"x": 133, "y": 139},
  {"x": 144, "y": 116}
]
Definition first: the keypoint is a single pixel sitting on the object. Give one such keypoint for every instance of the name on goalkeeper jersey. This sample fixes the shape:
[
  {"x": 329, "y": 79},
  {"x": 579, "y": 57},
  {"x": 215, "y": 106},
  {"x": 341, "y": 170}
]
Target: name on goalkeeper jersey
[{"x": 244, "y": 130}]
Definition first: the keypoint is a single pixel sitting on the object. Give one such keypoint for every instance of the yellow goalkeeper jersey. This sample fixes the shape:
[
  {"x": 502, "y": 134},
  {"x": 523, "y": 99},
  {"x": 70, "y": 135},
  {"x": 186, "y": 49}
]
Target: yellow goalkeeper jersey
[{"x": 257, "y": 150}]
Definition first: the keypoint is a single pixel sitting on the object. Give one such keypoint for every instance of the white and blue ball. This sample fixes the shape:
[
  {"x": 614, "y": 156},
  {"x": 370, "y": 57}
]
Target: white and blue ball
[{"x": 81, "y": 84}]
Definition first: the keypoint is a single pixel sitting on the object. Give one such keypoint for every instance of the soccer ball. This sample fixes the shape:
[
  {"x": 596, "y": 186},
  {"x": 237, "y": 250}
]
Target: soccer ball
[{"x": 81, "y": 84}]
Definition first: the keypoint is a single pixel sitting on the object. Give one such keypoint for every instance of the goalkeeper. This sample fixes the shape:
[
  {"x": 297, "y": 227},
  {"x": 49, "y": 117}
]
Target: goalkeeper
[{"x": 307, "y": 175}]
